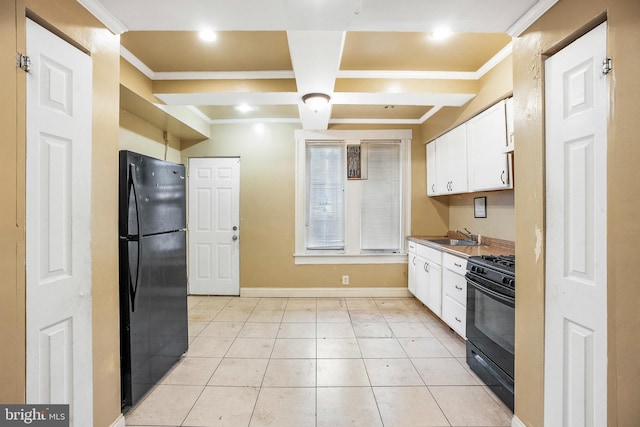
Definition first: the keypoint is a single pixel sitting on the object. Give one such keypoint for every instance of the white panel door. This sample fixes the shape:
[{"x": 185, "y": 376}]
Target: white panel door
[
  {"x": 576, "y": 235},
  {"x": 214, "y": 226},
  {"x": 58, "y": 225}
]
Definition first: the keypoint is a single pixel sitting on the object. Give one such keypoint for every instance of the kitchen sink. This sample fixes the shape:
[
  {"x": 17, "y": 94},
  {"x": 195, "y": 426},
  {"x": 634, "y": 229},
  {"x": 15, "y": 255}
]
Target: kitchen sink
[{"x": 454, "y": 242}]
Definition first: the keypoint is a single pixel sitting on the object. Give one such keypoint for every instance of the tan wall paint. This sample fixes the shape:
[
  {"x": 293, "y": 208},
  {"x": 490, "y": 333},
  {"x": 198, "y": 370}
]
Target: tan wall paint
[
  {"x": 561, "y": 24},
  {"x": 500, "y": 221},
  {"x": 144, "y": 138},
  {"x": 68, "y": 19},
  {"x": 137, "y": 82},
  {"x": 12, "y": 218},
  {"x": 267, "y": 212},
  {"x": 497, "y": 84},
  {"x": 231, "y": 85}
]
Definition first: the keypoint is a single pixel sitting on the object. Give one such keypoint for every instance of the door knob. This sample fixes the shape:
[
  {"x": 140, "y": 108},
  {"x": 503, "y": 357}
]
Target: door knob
[{"x": 234, "y": 237}]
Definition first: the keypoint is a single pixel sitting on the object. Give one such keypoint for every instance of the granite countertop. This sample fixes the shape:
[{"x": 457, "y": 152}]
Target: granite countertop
[{"x": 489, "y": 246}]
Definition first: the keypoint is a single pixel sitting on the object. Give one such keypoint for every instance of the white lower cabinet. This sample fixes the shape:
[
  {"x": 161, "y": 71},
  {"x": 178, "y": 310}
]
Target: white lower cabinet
[
  {"x": 412, "y": 268},
  {"x": 428, "y": 277},
  {"x": 437, "y": 280},
  {"x": 454, "y": 292}
]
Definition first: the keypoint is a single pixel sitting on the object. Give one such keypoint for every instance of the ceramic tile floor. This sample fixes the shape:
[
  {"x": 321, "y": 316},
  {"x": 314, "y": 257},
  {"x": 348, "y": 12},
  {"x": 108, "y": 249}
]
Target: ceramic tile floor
[{"x": 319, "y": 362}]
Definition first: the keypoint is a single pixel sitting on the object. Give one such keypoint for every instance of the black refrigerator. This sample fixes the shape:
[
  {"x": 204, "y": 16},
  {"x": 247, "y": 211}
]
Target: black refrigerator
[{"x": 153, "y": 271}]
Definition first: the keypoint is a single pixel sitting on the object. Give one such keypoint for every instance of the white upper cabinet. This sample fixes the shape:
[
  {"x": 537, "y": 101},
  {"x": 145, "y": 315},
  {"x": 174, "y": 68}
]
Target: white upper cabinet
[
  {"x": 457, "y": 160},
  {"x": 487, "y": 144},
  {"x": 447, "y": 163},
  {"x": 431, "y": 169}
]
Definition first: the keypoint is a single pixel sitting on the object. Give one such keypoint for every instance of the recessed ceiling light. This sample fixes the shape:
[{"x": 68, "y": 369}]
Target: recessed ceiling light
[
  {"x": 441, "y": 33},
  {"x": 208, "y": 35},
  {"x": 244, "y": 108}
]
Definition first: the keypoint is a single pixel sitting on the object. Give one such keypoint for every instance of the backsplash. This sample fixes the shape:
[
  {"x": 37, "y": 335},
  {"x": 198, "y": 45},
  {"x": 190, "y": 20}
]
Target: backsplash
[
  {"x": 509, "y": 245},
  {"x": 500, "y": 220}
]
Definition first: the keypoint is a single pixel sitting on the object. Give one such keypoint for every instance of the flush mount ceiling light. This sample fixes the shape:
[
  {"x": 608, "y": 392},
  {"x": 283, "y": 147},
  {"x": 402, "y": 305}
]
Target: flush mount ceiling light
[
  {"x": 441, "y": 33},
  {"x": 208, "y": 35},
  {"x": 316, "y": 101},
  {"x": 244, "y": 108}
]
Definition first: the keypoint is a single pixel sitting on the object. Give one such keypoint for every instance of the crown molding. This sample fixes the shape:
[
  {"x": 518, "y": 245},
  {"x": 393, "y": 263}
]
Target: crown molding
[
  {"x": 383, "y": 74},
  {"x": 495, "y": 60},
  {"x": 133, "y": 60},
  {"x": 224, "y": 75},
  {"x": 275, "y": 120},
  {"x": 98, "y": 10},
  {"x": 531, "y": 16}
]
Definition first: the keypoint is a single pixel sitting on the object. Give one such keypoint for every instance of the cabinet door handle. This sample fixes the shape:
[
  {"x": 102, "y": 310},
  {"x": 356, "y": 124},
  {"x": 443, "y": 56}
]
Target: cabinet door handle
[
  {"x": 459, "y": 287},
  {"x": 414, "y": 260},
  {"x": 458, "y": 319},
  {"x": 457, "y": 265},
  {"x": 426, "y": 267},
  {"x": 433, "y": 188},
  {"x": 502, "y": 177}
]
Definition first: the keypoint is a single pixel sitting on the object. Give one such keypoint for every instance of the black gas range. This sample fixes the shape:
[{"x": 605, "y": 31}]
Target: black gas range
[
  {"x": 491, "y": 291},
  {"x": 498, "y": 269}
]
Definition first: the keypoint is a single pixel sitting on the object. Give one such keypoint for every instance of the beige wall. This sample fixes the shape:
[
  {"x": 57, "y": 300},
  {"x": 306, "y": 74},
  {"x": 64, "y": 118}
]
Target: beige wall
[
  {"x": 142, "y": 137},
  {"x": 565, "y": 21},
  {"x": 12, "y": 290},
  {"x": 68, "y": 19},
  {"x": 497, "y": 84},
  {"x": 267, "y": 211},
  {"x": 500, "y": 220}
]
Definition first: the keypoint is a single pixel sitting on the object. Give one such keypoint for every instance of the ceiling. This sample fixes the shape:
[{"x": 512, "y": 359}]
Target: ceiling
[{"x": 376, "y": 59}]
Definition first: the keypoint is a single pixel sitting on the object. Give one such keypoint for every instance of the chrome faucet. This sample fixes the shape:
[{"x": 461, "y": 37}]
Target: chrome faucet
[{"x": 468, "y": 234}]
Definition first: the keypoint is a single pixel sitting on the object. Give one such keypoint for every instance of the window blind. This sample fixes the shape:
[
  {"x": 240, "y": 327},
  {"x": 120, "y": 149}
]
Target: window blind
[
  {"x": 381, "y": 205},
  {"x": 326, "y": 175}
]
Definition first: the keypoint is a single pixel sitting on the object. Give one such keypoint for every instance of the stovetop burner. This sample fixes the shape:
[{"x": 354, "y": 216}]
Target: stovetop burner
[
  {"x": 508, "y": 261},
  {"x": 496, "y": 268}
]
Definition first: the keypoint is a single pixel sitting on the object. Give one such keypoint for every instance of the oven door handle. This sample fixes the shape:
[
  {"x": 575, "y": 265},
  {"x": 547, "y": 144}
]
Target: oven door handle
[{"x": 493, "y": 294}]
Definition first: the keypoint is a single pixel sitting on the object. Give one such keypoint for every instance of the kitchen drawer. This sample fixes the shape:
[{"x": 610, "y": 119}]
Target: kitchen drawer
[
  {"x": 454, "y": 263},
  {"x": 455, "y": 315},
  {"x": 430, "y": 254},
  {"x": 412, "y": 247},
  {"x": 455, "y": 286}
]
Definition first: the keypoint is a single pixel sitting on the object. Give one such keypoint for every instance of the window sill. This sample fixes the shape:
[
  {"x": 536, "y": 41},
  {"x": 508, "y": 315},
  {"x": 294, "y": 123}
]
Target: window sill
[{"x": 306, "y": 259}]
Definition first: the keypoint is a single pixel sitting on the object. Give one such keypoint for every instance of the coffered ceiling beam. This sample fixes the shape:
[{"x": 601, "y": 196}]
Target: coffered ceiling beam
[{"x": 315, "y": 57}]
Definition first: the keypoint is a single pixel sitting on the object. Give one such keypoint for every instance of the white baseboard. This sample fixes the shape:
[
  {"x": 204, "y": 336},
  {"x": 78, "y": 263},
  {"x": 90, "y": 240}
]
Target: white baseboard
[
  {"x": 344, "y": 292},
  {"x": 119, "y": 422},
  {"x": 515, "y": 422}
]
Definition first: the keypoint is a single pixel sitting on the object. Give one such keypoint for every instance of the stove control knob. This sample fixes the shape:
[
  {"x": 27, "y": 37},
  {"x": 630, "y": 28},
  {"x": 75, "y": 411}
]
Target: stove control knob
[{"x": 508, "y": 282}]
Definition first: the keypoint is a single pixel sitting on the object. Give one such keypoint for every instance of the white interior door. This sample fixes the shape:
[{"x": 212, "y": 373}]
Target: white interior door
[
  {"x": 214, "y": 226},
  {"x": 58, "y": 225},
  {"x": 576, "y": 234}
]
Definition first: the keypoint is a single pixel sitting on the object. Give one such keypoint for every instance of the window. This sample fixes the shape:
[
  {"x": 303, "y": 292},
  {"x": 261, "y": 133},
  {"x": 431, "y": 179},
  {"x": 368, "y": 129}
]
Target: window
[
  {"x": 325, "y": 167},
  {"x": 340, "y": 220},
  {"x": 381, "y": 200}
]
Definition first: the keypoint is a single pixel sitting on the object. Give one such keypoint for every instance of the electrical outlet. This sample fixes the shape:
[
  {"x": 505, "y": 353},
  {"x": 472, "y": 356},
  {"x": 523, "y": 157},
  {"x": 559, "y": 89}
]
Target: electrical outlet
[{"x": 345, "y": 280}]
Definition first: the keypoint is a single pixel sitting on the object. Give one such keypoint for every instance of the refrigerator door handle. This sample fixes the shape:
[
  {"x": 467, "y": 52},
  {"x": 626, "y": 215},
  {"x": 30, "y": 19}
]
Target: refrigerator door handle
[
  {"x": 132, "y": 187},
  {"x": 133, "y": 285}
]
